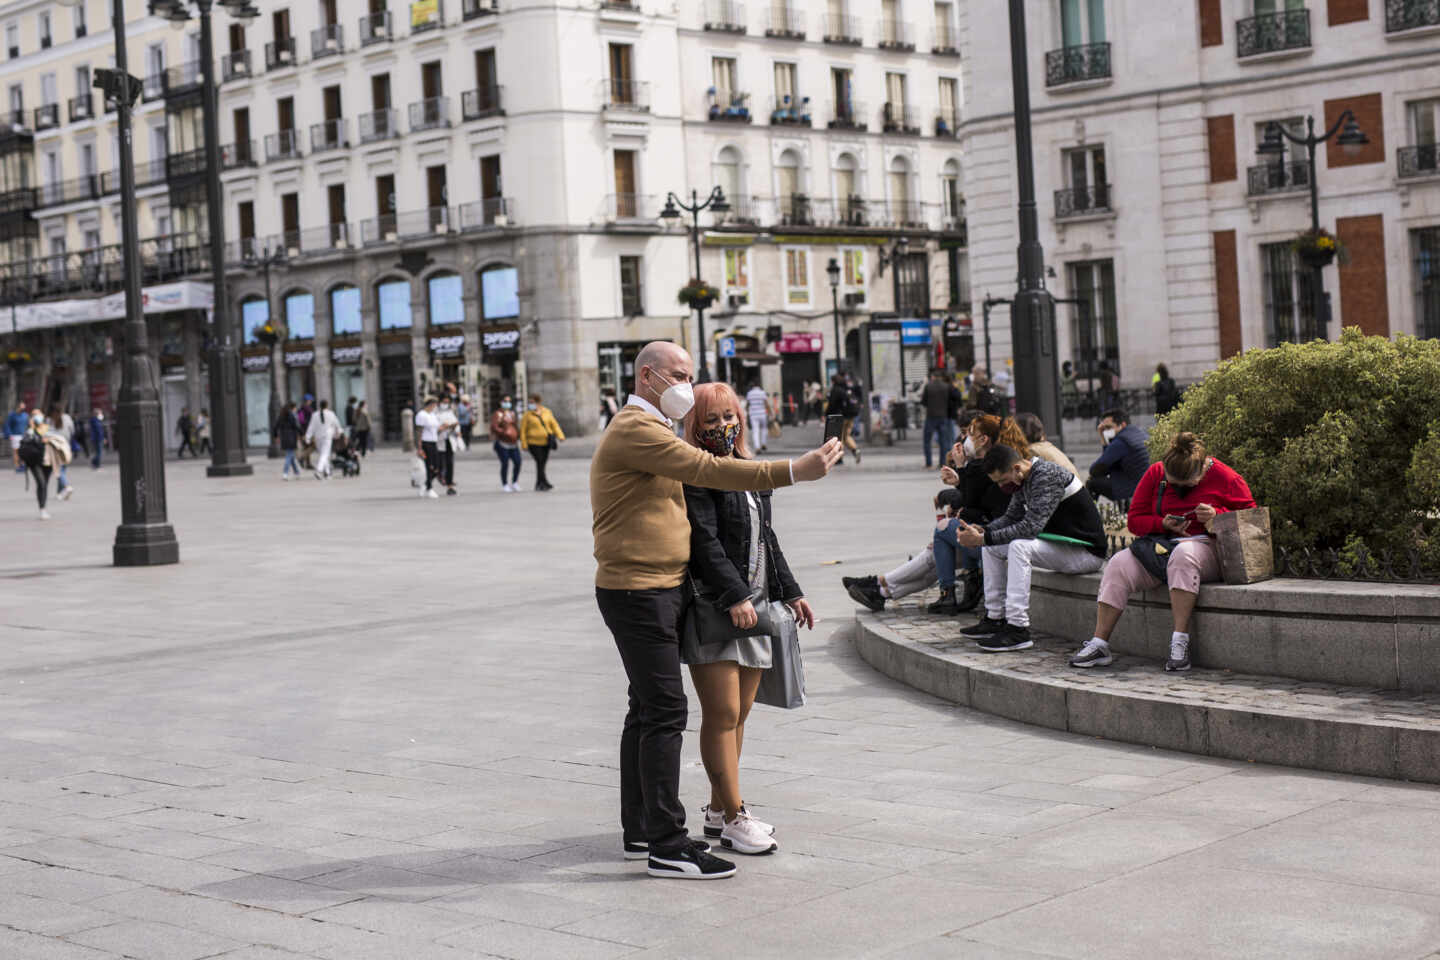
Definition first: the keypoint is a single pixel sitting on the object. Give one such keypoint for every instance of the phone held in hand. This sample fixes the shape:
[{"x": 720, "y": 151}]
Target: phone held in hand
[
  {"x": 1173, "y": 517},
  {"x": 834, "y": 428}
]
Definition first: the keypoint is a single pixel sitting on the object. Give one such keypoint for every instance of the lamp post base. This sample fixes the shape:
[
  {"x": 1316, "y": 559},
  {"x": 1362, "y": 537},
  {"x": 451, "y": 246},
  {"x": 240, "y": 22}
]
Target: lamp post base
[
  {"x": 145, "y": 545},
  {"x": 229, "y": 470}
]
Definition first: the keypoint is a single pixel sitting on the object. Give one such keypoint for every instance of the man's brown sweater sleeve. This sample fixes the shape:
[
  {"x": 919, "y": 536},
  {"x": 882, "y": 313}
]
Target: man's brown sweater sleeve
[{"x": 654, "y": 449}]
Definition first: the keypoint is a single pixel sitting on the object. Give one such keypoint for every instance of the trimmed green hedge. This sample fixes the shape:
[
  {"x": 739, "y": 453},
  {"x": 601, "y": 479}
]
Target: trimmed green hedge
[{"x": 1340, "y": 440}]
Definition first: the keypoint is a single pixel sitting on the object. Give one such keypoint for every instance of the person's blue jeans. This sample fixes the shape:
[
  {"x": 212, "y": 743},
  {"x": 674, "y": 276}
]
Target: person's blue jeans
[
  {"x": 509, "y": 457},
  {"x": 64, "y": 477},
  {"x": 290, "y": 464},
  {"x": 948, "y": 552},
  {"x": 943, "y": 428}
]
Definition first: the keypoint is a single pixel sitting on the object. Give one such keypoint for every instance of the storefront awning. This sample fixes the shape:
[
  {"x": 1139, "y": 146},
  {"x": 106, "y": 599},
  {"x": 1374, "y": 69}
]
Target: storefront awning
[{"x": 162, "y": 298}]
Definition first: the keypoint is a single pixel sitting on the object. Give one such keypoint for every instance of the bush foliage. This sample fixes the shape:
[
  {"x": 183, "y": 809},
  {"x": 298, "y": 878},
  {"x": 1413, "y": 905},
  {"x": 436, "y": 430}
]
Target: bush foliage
[{"x": 1340, "y": 440}]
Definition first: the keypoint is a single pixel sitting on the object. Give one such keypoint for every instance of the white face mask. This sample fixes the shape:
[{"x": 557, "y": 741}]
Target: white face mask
[
  {"x": 1108, "y": 433},
  {"x": 677, "y": 399},
  {"x": 969, "y": 446}
]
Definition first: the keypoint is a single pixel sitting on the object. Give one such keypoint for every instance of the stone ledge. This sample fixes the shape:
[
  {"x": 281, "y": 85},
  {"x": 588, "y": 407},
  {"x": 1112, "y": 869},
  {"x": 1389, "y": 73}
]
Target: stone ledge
[
  {"x": 1355, "y": 634},
  {"x": 1209, "y": 712}
]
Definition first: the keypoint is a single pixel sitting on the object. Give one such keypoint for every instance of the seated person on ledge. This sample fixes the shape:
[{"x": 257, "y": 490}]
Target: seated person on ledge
[
  {"x": 1178, "y": 497},
  {"x": 1122, "y": 462},
  {"x": 1051, "y": 523}
]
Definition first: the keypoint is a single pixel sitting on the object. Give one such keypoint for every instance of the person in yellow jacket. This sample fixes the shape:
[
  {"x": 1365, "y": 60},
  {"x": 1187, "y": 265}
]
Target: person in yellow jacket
[{"x": 539, "y": 433}]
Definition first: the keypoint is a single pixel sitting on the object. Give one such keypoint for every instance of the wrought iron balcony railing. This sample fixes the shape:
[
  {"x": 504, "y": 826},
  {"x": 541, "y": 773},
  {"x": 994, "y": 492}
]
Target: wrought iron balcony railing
[
  {"x": 788, "y": 111},
  {"x": 184, "y": 164},
  {"x": 47, "y": 116},
  {"x": 327, "y": 41},
  {"x": 19, "y": 201},
  {"x": 783, "y": 21},
  {"x": 635, "y": 207},
  {"x": 942, "y": 43},
  {"x": 852, "y": 212},
  {"x": 429, "y": 114},
  {"x": 328, "y": 135},
  {"x": 947, "y": 122},
  {"x": 284, "y": 145},
  {"x": 847, "y": 115},
  {"x": 1077, "y": 64},
  {"x": 82, "y": 108},
  {"x": 390, "y": 227},
  {"x": 796, "y": 210},
  {"x": 1278, "y": 178},
  {"x": 899, "y": 118},
  {"x": 727, "y": 106},
  {"x": 897, "y": 35},
  {"x": 376, "y": 28},
  {"x": 489, "y": 213},
  {"x": 475, "y": 9},
  {"x": 842, "y": 29},
  {"x": 280, "y": 54},
  {"x": 146, "y": 175},
  {"x": 744, "y": 211},
  {"x": 239, "y": 154},
  {"x": 1082, "y": 201},
  {"x": 1401, "y": 15},
  {"x": 1417, "y": 161},
  {"x": 911, "y": 214},
  {"x": 379, "y": 125},
  {"x": 184, "y": 78},
  {"x": 153, "y": 87},
  {"x": 77, "y": 190},
  {"x": 617, "y": 94},
  {"x": 1272, "y": 33},
  {"x": 482, "y": 102},
  {"x": 235, "y": 66},
  {"x": 725, "y": 16}
]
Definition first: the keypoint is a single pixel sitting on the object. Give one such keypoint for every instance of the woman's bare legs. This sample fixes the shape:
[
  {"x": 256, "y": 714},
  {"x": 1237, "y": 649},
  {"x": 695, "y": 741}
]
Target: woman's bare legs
[
  {"x": 718, "y": 686},
  {"x": 1106, "y": 617}
]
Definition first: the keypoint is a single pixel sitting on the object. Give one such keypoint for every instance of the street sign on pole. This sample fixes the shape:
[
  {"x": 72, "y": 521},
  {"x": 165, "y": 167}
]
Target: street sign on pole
[{"x": 726, "y": 347}]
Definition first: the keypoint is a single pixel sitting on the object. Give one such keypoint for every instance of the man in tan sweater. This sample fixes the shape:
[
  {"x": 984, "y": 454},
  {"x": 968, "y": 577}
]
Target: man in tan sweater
[{"x": 642, "y": 548}]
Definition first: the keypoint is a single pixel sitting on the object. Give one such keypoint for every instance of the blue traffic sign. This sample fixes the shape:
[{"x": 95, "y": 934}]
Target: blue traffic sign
[{"x": 727, "y": 347}]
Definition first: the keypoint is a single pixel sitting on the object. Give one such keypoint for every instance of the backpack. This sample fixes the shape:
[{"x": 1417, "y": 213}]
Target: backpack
[{"x": 32, "y": 449}]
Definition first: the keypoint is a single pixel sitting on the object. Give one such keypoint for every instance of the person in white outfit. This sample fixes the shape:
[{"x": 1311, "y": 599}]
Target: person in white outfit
[
  {"x": 758, "y": 403},
  {"x": 323, "y": 429}
]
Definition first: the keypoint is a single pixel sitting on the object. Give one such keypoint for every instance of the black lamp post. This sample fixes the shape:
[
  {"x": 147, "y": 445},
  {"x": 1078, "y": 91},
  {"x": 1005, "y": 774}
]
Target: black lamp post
[
  {"x": 227, "y": 459},
  {"x": 1351, "y": 138},
  {"x": 144, "y": 537},
  {"x": 266, "y": 259},
  {"x": 832, "y": 270},
  {"x": 716, "y": 202}
]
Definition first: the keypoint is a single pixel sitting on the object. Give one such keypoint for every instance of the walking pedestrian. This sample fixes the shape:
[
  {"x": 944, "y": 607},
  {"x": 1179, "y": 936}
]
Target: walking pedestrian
[
  {"x": 450, "y": 443},
  {"x": 759, "y": 403},
  {"x": 841, "y": 404},
  {"x": 737, "y": 567},
  {"x": 350, "y": 414},
  {"x": 427, "y": 426},
  {"x": 16, "y": 426},
  {"x": 465, "y": 413},
  {"x": 202, "y": 430},
  {"x": 642, "y": 545},
  {"x": 540, "y": 434},
  {"x": 323, "y": 429},
  {"x": 286, "y": 430},
  {"x": 608, "y": 408},
  {"x": 97, "y": 437},
  {"x": 361, "y": 429},
  {"x": 185, "y": 427},
  {"x": 1167, "y": 394},
  {"x": 505, "y": 431},
  {"x": 62, "y": 426},
  {"x": 40, "y": 452},
  {"x": 941, "y": 401}
]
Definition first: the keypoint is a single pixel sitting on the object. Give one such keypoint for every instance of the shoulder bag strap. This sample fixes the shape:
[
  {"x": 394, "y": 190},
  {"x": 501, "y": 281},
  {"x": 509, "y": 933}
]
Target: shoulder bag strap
[{"x": 1159, "y": 496}]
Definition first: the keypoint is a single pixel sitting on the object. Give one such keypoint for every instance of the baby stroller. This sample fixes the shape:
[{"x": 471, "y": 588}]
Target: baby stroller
[{"x": 343, "y": 457}]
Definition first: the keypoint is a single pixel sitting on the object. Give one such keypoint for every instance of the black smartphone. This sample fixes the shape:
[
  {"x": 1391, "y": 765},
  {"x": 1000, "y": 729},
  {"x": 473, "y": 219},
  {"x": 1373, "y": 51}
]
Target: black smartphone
[{"x": 834, "y": 428}]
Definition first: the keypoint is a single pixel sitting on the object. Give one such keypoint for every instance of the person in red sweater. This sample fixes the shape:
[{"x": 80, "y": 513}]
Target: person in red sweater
[{"x": 1177, "y": 497}]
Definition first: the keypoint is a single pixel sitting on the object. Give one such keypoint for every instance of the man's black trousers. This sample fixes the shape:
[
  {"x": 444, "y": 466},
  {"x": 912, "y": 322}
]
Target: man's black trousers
[{"x": 646, "y": 626}]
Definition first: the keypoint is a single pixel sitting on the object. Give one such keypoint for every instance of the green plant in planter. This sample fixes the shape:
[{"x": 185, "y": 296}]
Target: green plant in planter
[
  {"x": 269, "y": 333},
  {"x": 1319, "y": 248},
  {"x": 1340, "y": 440},
  {"x": 17, "y": 358},
  {"x": 698, "y": 294}
]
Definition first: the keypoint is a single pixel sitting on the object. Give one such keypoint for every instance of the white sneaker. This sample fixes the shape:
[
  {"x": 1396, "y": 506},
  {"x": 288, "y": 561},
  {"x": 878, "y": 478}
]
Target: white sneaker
[
  {"x": 420, "y": 493},
  {"x": 44, "y": 514},
  {"x": 285, "y": 477},
  {"x": 745, "y": 835},
  {"x": 715, "y": 821},
  {"x": 1095, "y": 653},
  {"x": 67, "y": 493},
  {"x": 432, "y": 494}
]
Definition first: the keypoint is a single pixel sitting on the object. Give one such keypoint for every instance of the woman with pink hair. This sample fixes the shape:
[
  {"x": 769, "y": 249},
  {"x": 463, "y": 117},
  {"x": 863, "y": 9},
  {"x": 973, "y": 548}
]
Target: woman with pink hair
[{"x": 736, "y": 566}]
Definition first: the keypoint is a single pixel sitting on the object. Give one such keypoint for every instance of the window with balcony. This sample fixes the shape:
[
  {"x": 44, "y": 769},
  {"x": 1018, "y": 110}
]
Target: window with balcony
[
  {"x": 1425, "y": 256},
  {"x": 280, "y": 51},
  {"x": 790, "y": 194},
  {"x": 484, "y": 100},
  {"x": 899, "y": 181},
  {"x": 894, "y": 32},
  {"x": 789, "y": 108},
  {"x": 627, "y": 203},
  {"x": 632, "y": 299},
  {"x": 1084, "y": 54},
  {"x": 80, "y": 27},
  {"x": 845, "y": 112},
  {"x": 727, "y": 102},
  {"x": 951, "y": 199},
  {"x": 1087, "y": 187},
  {"x": 947, "y": 118},
  {"x": 840, "y": 27},
  {"x": 426, "y": 15},
  {"x": 898, "y": 115},
  {"x": 785, "y": 21},
  {"x": 1401, "y": 15},
  {"x": 1286, "y": 172},
  {"x": 1288, "y": 296},
  {"x": 725, "y": 16},
  {"x": 12, "y": 39},
  {"x": 945, "y": 43},
  {"x": 1094, "y": 333},
  {"x": 850, "y": 208},
  {"x": 958, "y": 264},
  {"x": 1419, "y": 158},
  {"x": 797, "y": 275},
  {"x": 1277, "y": 26},
  {"x": 46, "y": 38}
]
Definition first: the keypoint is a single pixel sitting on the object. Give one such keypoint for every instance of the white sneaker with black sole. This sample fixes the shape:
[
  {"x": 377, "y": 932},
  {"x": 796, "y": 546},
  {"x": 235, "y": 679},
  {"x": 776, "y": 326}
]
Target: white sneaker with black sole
[
  {"x": 640, "y": 849},
  {"x": 1095, "y": 653},
  {"x": 715, "y": 822},
  {"x": 1179, "y": 660},
  {"x": 745, "y": 834},
  {"x": 689, "y": 864}
]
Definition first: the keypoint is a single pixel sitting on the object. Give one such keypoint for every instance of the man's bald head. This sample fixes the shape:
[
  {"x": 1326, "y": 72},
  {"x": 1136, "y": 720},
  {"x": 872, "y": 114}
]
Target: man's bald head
[{"x": 669, "y": 362}]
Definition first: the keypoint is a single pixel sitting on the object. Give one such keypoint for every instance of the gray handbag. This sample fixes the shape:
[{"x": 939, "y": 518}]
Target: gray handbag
[
  {"x": 706, "y": 623},
  {"x": 783, "y": 685}
]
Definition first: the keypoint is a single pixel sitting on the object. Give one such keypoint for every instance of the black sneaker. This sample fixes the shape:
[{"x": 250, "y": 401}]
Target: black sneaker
[
  {"x": 689, "y": 864},
  {"x": 985, "y": 628},
  {"x": 1010, "y": 637},
  {"x": 868, "y": 595},
  {"x": 640, "y": 850},
  {"x": 848, "y": 582}
]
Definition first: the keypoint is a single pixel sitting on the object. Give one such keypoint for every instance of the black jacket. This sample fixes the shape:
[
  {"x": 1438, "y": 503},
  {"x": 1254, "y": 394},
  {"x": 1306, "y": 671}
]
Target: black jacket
[
  {"x": 975, "y": 499},
  {"x": 720, "y": 548},
  {"x": 287, "y": 430},
  {"x": 1051, "y": 500}
]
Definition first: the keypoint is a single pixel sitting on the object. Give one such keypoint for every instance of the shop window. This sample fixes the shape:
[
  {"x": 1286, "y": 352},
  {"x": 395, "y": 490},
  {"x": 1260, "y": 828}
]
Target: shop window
[
  {"x": 254, "y": 314},
  {"x": 394, "y": 298},
  {"x": 345, "y": 310},
  {"x": 300, "y": 316},
  {"x": 499, "y": 293},
  {"x": 447, "y": 300}
]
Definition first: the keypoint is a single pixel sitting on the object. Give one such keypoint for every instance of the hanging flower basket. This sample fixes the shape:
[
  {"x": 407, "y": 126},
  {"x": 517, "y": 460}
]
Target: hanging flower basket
[
  {"x": 269, "y": 334},
  {"x": 15, "y": 359},
  {"x": 1319, "y": 249},
  {"x": 698, "y": 294}
]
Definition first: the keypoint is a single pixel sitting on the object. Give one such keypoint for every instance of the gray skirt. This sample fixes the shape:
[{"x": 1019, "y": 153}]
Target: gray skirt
[{"x": 746, "y": 651}]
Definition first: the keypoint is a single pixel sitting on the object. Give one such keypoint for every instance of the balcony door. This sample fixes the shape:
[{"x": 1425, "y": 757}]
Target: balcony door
[
  {"x": 328, "y": 15},
  {"x": 290, "y": 220},
  {"x": 380, "y": 91},
  {"x": 237, "y": 37},
  {"x": 491, "y": 189},
  {"x": 335, "y": 202},
  {"x": 385, "y": 204},
  {"x": 1085, "y": 175},
  {"x": 1082, "y": 22},
  {"x": 280, "y": 27},
  {"x": 625, "y": 205},
  {"x": 1423, "y": 129},
  {"x": 285, "y": 114},
  {"x": 840, "y": 84},
  {"x": 331, "y": 96},
  {"x": 437, "y": 195},
  {"x": 622, "y": 76},
  {"x": 431, "y": 85},
  {"x": 242, "y": 135}
]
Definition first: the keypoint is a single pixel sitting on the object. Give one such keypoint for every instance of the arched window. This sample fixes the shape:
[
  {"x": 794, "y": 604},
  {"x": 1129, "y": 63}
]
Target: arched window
[
  {"x": 789, "y": 189},
  {"x": 345, "y": 310},
  {"x": 900, "y": 188},
  {"x": 950, "y": 194},
  {"x": 394, "y": 300},
  {"x": 447, "y": 299},
  {"x": 300, "y": 315},
  {"x": 499, "y": 293},
  {"x": 727, "y": 174},
  {"x": 254, "y": 314},
  {"x": 846, "y": 183}
]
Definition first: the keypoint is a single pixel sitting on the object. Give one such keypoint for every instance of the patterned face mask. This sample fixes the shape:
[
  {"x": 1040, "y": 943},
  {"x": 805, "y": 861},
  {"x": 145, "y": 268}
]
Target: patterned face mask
[{"x": 719, "y": 439}]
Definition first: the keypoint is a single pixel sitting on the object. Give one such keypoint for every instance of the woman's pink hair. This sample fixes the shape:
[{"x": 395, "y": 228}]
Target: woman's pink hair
[{"x": 708, "y": 398}]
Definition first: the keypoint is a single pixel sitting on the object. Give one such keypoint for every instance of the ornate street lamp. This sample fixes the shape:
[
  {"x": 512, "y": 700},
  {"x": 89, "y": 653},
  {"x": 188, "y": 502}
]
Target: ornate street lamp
[
  {"x": 144, "y": 537},
  {"x": 716, "y": 202},
  {"x": 263, "y": 261},
  {"x": 227, "y": 458},
  {"x": 832, "y": 270}
]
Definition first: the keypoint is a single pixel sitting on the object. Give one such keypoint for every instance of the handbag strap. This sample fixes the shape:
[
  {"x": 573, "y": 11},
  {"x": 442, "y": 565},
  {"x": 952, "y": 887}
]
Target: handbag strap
[{"x": 1159, "y": 496}]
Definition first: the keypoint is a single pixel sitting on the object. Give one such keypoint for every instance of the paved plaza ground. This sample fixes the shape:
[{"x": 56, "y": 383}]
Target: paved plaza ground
[{"x": 352, "y": 724}]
